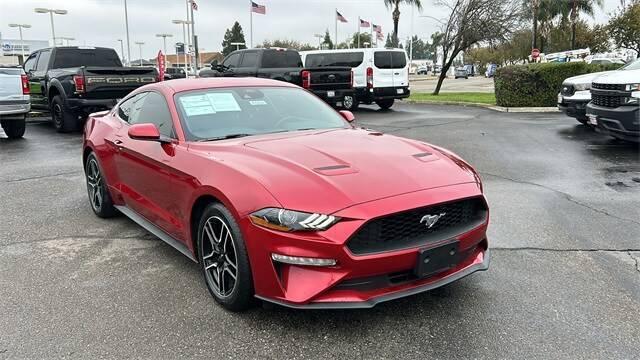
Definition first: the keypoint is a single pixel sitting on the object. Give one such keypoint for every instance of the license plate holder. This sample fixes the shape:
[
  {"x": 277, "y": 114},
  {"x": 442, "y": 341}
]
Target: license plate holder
[
  {"x": 593, "y": 119},
  {"x": 560, "y": 99},
  {"x": 331, "y": 93},
  {"x": 437, "y": 259}
]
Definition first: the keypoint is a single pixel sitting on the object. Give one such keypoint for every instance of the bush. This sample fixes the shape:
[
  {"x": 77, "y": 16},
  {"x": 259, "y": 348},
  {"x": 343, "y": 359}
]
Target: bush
[{"x": 537, "y": 84}]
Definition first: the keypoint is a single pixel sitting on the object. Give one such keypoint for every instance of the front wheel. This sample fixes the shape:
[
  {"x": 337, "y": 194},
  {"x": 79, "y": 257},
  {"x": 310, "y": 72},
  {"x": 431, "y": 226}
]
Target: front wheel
[
  {"x": 349, "y": 102},
  {"x": 14, "y": 128},
  {"x": 385, "y": 104},
  {"x": 223, "y": 259},
  {"x": 99, "y": 197}
]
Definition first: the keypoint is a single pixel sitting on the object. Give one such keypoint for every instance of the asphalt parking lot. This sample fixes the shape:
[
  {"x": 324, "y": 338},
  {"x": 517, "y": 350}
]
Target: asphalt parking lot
[{"x": 564, "y": 280}]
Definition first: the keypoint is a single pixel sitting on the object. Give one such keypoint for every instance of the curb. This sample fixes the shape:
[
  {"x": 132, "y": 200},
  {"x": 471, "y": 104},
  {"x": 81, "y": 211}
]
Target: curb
[{"x": 489, "y": 106}]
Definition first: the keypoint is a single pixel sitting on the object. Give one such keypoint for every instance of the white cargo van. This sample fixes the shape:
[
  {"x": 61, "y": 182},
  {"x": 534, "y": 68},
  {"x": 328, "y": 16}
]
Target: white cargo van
[{"x": 379, "y": 75}]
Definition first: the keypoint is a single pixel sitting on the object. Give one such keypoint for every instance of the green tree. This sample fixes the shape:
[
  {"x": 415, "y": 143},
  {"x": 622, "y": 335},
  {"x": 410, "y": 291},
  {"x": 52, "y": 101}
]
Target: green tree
[
  {"x": 389, "y": 42},
  {"x": 624, "y": 27},
  {"x": 327, "y": 39},
  {"x": 420, "y": 48},
  {"x": 233, "y": 35},
  {"x": 395, "y": 4},
  {"x": 364, "y": 37},
  {"x": 573, "y": 8},
  {"x": 286, "y": 44}
]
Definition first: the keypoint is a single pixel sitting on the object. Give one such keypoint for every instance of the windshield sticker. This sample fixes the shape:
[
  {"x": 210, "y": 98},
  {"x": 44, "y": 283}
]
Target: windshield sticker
[
  {"x": 223, "y": 102},
  {"x": 257, "y": 102},
  {"x": 197, "y": 105}
]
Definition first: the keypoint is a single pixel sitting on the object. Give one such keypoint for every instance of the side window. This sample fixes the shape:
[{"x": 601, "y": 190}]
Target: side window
[
  {"x": 30, "y": 64},
  {"x": 129, "y": 109},
  {"x": 232, "y": 60},
  {"x": 156, "y": 111},
  {"x": 43, "y": 60},
  {"x": 250, "y": 59}
]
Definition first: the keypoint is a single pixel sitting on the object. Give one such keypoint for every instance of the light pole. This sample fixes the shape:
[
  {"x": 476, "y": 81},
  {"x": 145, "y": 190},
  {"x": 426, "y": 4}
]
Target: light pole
[
  {"x": 320, "y": 37},
  {"x": 126, "y": 25},
  {"x": 237, "y": 44},
  {"x": 51, "y": 12},
  {"x": 184, "y": 40},
  {"x": 164, "y": 40},
  {"x": 63, "y": 38},
  {"x": 140, "y": 43},
  {"x": 122, "y": 51},
  {"x": 20, "y": 27}
]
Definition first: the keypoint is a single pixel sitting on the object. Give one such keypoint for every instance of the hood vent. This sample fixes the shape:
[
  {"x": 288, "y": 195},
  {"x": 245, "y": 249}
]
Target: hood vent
[{"x": 335, "y": 170}]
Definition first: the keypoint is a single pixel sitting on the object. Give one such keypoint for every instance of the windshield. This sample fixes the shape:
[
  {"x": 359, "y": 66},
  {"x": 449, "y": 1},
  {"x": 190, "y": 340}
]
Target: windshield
[
  {"x": 214, "y": 114},
  {"x": 634, "y": 65},
  {"x": 76, "y": 57}
]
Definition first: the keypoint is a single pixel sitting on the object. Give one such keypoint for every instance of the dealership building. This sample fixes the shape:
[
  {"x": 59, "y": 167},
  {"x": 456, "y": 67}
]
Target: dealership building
[{"x": 12, "y": 50}]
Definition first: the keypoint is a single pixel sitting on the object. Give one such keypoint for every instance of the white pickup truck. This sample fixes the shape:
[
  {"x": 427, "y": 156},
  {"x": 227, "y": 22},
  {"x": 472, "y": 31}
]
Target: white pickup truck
[{"x": 15, "y": 101}]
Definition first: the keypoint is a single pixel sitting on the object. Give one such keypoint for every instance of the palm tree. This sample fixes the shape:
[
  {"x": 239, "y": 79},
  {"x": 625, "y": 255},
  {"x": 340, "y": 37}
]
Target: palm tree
[
  {"x": 572, "y": 10},
  {"x": 395, "y": 4}
]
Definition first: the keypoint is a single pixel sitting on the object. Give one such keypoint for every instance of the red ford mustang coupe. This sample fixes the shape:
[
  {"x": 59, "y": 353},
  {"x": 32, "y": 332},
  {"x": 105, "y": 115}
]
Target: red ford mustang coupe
[{"x": 279, "y": 197}]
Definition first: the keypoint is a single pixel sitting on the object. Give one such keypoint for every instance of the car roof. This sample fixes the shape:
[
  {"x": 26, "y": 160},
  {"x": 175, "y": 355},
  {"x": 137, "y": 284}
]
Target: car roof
[
  {"x": 180, "y": 85},
  {"x": 330, "y": 51}
]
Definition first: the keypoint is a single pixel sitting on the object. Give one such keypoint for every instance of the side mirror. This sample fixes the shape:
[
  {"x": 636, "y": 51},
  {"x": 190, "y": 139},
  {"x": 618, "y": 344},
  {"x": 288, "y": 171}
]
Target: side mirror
[
  {"x": 146, "y": 132},
  {"x": 347, "y": 115},
  {"x": 214, "y": 63}
]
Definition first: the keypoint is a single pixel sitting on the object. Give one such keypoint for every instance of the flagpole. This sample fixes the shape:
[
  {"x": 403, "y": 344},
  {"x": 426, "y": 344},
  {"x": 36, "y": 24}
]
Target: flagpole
[
  {"x": 250, "y": 25},
  {"x": 193, "y": 35},
  {"x": 358, "y": 32},
  {"x": 335, "y": 17},
  {"x": 371, "y": 38},
  {"x": 188, "y": 45}
]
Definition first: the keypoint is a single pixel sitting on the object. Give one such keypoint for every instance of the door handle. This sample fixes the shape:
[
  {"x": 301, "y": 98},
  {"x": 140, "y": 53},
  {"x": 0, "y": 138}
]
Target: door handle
[{"x": 117, "y": 142}]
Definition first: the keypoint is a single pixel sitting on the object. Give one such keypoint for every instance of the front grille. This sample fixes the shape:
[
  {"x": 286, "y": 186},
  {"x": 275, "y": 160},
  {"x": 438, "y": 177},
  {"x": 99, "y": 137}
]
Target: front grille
[
  {"x": 606, "y": 100},
  {"x": 407, "y": 229},
  {"x": 567, "y": 90},
  {"x": 608, "y": 86}
]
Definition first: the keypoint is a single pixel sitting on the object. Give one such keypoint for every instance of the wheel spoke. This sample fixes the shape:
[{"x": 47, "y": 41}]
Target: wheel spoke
[
  {"x": 231, "y": 273},
  {"x": 220, "y": 261},
  {"x": 221, "y": 280}
]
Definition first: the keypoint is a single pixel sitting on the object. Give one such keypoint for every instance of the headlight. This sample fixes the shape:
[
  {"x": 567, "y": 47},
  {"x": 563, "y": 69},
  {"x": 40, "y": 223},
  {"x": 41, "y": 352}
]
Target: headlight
[
  {"x": 290, "y": 220},
  {"x": 632, "y": 87},
  {"x": 582, "y": 87}
]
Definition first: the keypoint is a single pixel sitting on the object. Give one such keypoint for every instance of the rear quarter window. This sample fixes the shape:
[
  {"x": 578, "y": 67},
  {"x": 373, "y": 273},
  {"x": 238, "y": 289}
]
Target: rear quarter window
[
  {"x": 281, "y": 59},
  {"x": 389, "y": 59}
]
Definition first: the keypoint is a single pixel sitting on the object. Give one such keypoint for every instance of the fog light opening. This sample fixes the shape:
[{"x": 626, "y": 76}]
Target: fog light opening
[{"x": 298, "y": 260}]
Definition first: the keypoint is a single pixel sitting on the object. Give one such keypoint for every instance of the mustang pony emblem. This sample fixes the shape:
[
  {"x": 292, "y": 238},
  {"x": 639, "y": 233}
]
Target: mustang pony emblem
[{"x": 430, "y": 220}]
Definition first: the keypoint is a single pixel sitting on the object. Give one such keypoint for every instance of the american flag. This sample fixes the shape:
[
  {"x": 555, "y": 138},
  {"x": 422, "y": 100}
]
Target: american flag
[
  {"x": 377, "y": 28},
  {"x": 194, "y": 6},
  {"x": 364, "y": 23},
  {"x": 258, "y": 9},
  {"x": 379, "y": 36},
  {"x": 340, "y": 17}
]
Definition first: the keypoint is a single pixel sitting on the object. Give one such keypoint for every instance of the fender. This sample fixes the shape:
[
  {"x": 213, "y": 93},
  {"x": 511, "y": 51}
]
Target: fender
[{"x": 55, "y": 83}]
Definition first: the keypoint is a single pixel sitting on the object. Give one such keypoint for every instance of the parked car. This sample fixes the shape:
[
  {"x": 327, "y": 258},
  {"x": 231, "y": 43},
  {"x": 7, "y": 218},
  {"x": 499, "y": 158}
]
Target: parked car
[
  {"x": 379, "y": 75},
  {"x": 615, "y": 103},
  {"x": 73, "y": 81},
  {"x": 333, "y": 84},
  {"x": 422, "y": 70},
  {"x": 491, "y": 70},
  {"x": 605, "y": 61},
  {"x": 174, "y": 73},
  {"x": 471, "y": 70},
  {"x": 14, "y": 101},
  {"x": 264, "y": 185},
  {"x": 575, "y": 94},
  {"x": 461, "y": 72}
]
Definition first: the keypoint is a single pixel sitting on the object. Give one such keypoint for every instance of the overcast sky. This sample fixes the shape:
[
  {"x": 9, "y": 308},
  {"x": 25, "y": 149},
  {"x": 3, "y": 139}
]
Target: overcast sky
[{"x": 101, "y": 22}]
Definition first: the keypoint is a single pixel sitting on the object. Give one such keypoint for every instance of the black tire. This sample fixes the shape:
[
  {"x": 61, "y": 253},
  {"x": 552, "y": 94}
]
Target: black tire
[
  {"x": 14, "y": 128},
  {"x": 240, "y": 297},
  {"x": 63, "y": 120},
  {"x": 351, "y": 103},
  {"x": 99, "y": 197},
  {"x": 582, "y": 121},
  {"x": 385, "y": 104}
]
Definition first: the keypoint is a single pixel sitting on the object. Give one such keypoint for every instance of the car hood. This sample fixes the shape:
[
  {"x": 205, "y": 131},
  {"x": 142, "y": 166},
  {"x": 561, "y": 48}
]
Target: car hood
[
  {"x": 620, "y": 77},
  {"x": 326, "y": 171},
  {"x": 585, "y": 78}
]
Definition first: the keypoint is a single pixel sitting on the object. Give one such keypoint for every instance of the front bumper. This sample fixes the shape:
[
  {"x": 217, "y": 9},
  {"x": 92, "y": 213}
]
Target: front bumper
[
  {"x": 576, "y": 105},
  {"x": 337, "y": 98},
  {"x": 622, "y": 122},
  {"x": 357, "y": 281}
]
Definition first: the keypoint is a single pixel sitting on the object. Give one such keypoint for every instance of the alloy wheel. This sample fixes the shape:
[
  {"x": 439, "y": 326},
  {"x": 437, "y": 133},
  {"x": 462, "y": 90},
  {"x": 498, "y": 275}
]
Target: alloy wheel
[
  {"x": 219, "y": 257},
  {"x": 348, "y": 102},
  {"x": 94, "y": 185}
]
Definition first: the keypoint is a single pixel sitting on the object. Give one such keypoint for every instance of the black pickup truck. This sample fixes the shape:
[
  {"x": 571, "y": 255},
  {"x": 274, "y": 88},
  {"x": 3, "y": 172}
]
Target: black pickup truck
[
  {"x": 74, "y": 81},
  {"x": 334, "y": 85}
]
